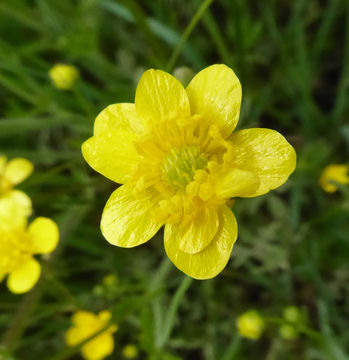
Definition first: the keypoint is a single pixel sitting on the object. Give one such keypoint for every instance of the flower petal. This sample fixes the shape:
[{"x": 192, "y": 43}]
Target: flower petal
[
  {"x": 24, "y": 277},
  {"x": 194, "y": 237},
  {"x": 73, "y": 336},
  {"x": 160, "y": 96},
  {"x": 84, "y": 318},
  {"x": 44, "y": 235},
  {"x": 210, "y": 261},
  {"x": 266, "y": 153},
  {"x": 237, "y": 183},
  {"x": 99, "y": 347},
  {"x": 127, "y": 220},
  {"x": 215, "y": 93},
  {"x": 17, "y": 170},
  {"x": 113, "y": 155},
  {"x": 117, "y": 117},
  {"x": 15, "y": 207}
]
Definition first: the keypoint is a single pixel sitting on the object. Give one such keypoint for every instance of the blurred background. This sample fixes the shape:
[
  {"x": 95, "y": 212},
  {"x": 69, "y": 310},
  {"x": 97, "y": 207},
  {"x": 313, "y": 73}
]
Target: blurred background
[{"x": 292, "y": 58}]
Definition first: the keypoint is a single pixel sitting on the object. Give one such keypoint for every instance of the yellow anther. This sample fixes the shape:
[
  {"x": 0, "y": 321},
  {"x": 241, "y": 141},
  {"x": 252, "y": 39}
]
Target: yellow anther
[
  {"x": 206, "y": 191},
  {"x": 213, "y": 132},
  {"x": 176, "y": 200},
  {"x": 200, "y": 176},
  {"x": 165, "y": 204},
  {"x": 213, "y": 167},
  {"x": 192, "y": 188}
]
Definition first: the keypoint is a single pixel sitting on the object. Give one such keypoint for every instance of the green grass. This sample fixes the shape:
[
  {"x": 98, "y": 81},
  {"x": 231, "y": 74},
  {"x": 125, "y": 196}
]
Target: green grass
[{"x": 292, "y": 58}]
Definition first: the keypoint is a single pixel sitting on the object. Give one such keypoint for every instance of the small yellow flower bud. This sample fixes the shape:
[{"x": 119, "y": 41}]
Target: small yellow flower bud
[
  {"x": 288, "y": 332},
  {"x": 250, "y": 324},
  {"x": 130, "y": 351},
  {"x": 332, "y": 174},
  {"x": 64, "y": 76},
  {"x": 292, "y": 314}
]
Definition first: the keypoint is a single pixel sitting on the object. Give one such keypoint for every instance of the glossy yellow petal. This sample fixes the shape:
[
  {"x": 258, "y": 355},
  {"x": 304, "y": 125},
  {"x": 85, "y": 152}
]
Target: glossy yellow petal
[
  {"x": 73, "y": 336},
  {"x": 17, "y": 170},
  {"x": 215, "y": 93},
  {"x": 210, "y": 261},
  {"x": 127, "y": 220},
  {"x": 194, "y": 237},
  {"x": 113, "y": 155},
  {"x": 266, "y": 153},
  {"x": 104, "y": 316},
  {"x": 23, "y": 278},
  {"x": 160, "y": 96},
  {"x": 117, "y": 117},
  {"x": 84, "y": 318},
  {"x": 44, "y": 235},
  {"x": 21, "y": 200},
  {"x": 237, "y": 183},
  {"x": 15, "y": 207},
  {"x": 99, "y": 347}
]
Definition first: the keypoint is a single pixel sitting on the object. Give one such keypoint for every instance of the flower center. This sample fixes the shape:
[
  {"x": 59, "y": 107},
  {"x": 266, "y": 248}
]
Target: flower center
[
  {"x": 181, "y": 163},
  {"x": 13, "y": 251}
]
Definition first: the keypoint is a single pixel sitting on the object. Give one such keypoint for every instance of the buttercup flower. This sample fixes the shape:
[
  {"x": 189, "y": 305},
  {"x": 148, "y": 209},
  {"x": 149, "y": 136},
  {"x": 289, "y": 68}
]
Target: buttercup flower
[
  {"x": 332, "y": 174},
  {"x": 130, "y": 351},
  {"x": 174, "y": 152},
  {"x": 64, "y": 76},
  {"x": 250, "y": 325},
  {"x": 18, "y": 246},
  {"x": 85, "y": 324},
  {"x": 12, "y": 201}
]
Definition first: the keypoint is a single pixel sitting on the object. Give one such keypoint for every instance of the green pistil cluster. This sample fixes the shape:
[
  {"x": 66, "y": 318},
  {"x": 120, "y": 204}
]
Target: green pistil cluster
[{"x": 180, "y": 165}]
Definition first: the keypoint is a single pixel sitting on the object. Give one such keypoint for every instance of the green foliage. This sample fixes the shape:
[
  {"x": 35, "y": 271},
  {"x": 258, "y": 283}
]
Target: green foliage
[{"x": 292, "y": 58}]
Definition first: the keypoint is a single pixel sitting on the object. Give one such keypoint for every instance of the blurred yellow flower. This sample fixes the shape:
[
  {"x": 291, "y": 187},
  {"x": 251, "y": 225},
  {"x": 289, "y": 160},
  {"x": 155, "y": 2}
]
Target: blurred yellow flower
[
  {"x": 174, "y": 153},
  {"x": 250, "y": 325},
  {"x": 64, "y": 76},
  {"x": 130, "y": 351},
  {"x": 85, "y": 324},
  {"x": 18, "y": 245},
  {"x": 14, "y": 203},
  {"x": 332, "y": 174}
]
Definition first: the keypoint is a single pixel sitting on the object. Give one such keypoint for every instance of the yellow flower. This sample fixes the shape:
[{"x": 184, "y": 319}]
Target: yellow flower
[
  {"x": 332, "y": 174},
  {"x": 174, "y": 153},
  {"x": 18, "y": 245},
  {"x": 85, "y": 324},
  {"x": 14, "y": 203},
  {"x": 64, "y": 76},
  {"x": 250, "y": 325},
  {"x": 130, "y": 351}
]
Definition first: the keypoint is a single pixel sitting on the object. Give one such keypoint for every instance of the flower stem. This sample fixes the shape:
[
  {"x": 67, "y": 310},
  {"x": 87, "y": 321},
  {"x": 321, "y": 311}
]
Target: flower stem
[
  {"x": 172, "y": 311},
  {"x": 19, "y": 322},
  {"x": 195, "y": 19}
]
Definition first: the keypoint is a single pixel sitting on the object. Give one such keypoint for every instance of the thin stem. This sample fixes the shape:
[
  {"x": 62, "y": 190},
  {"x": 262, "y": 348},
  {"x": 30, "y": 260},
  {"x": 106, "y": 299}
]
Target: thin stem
[
  {"x": 172, "y": 311},
  {"x": 232, "y": 349},
  {"x": 21, "y": 318},
  {"x": 193, "y": 22}
]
